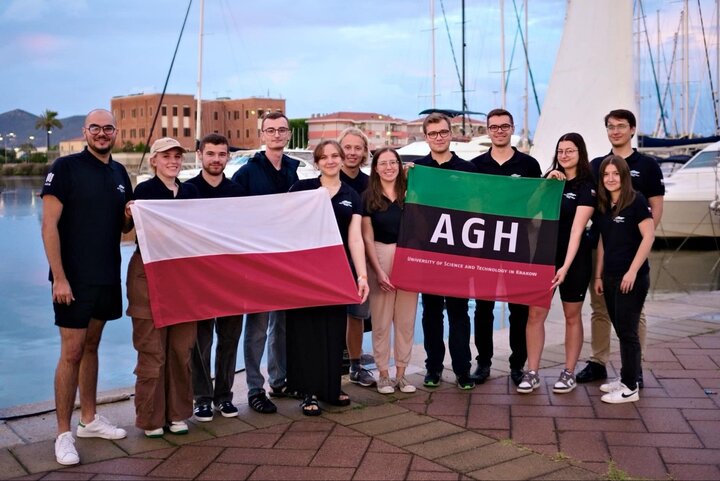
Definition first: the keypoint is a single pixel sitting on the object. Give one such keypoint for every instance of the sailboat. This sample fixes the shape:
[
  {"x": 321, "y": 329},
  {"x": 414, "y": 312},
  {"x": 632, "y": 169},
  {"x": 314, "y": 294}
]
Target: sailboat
[{"x": 593, "y": 74}]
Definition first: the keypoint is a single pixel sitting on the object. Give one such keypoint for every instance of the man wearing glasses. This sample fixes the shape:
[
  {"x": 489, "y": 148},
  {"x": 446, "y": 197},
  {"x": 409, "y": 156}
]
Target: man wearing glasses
[
  {"x": 647, "y": 178},
  {"x": 502, "y": 159},
  {"x": 438, "y": 134},
  {"x": 84, "y": 199},
  {"x": 268, "y": 172}
]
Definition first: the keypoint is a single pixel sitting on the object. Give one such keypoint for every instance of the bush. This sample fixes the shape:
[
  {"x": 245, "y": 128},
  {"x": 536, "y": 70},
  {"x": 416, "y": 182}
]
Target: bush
[
  {"x": 38, "y": 157},
  {"x": 37, "y": 169}
]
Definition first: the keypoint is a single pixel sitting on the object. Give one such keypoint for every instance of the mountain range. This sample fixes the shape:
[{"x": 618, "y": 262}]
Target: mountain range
[{"x": 22, "y": 124}]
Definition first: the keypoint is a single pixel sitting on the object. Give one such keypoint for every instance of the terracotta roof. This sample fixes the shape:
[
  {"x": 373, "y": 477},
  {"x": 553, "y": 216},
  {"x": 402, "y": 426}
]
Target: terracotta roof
[{"x": 354, "y": 116}]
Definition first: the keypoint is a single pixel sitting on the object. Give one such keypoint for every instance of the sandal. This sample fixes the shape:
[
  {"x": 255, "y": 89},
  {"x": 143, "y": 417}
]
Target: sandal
[
  {"x": 260, "y": 403},
  {"x": 310, "y": 406},
  {"x": 283, "y": 391},
  {"x": 342, "y": 400}
]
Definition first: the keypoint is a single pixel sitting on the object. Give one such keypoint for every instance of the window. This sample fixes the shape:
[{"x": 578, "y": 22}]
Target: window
[
  {"x": 122, "y": 134},
  {"x": 215, "y": 117},
  {"x": 186, "y": 132},
  {"x": 247, "y": 114},
  {"x": 164, "y": 131},
  {"x": 122, "y": 113},
  {"x": 186, "y": 111},
  {"x": 142, "y": 133},
  {"x": 142, "y": 112},
  {"x": 164, "y": 110},
  {"x": 229, "y": 134},
  {"x": 703, "y": 159},
  {"x": 237, "y": 114},
  {"x": 133, "y": 113},
  {"x": 260, "y": 113},
  {"x": 237, "y": 133},
  {"x": 149, "y": 111},
  {"x": 247, "y": 133},
  {"x": 175, "y": 131},
  {"x": 174, "y": 111}
]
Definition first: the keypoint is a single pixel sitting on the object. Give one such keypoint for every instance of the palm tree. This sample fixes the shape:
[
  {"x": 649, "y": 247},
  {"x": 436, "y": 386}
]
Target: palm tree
[{"x": 47, "y": 121}]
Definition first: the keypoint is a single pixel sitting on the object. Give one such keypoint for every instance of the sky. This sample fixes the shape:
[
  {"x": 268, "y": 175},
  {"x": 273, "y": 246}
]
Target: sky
[{"x": 322, "y": 56}]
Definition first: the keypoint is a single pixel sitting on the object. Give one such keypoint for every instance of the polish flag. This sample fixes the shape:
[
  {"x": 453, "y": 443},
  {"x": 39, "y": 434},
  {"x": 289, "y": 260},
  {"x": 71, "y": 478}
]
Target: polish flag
[{"x": 208, "y": 258}]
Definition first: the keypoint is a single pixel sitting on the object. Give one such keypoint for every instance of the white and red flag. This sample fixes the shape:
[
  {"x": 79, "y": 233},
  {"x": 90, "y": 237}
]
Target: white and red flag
[{"x": 207, "y": 258}]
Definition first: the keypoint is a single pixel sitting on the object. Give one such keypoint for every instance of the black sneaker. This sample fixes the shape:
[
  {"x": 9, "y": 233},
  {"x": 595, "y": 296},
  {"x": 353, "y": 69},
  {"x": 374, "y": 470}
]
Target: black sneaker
[
  {"x": 481, "y": 374},
  {"x": 516, "y": 375},
  {"x": 227, "y": 409},
  {"x": 465, "y": 382},
  {"x": 432, "y": 379},
  {"x": 203, "y": 412},
  {"x": 593, "y": 371},
  {"x": 260, "y": 403}
]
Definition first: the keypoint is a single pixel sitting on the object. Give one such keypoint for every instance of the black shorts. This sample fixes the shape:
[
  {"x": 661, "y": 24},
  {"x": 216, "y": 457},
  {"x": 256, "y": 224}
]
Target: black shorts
[
  {"x": 575, "y": 286},
  {"x": 103, "y": 303}
]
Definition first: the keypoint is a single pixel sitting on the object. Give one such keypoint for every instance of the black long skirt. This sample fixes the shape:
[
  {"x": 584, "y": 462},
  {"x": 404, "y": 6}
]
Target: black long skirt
[{"x": 315, "y": 343}]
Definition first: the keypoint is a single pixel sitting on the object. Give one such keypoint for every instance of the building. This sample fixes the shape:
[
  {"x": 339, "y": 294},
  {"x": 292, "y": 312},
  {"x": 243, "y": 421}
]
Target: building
[
  {"x": 380, "y": 129},
  {"x": 237, "y": 119},
  {"x": 473, "y": 128},
  {"x": 67, "y": 147}
]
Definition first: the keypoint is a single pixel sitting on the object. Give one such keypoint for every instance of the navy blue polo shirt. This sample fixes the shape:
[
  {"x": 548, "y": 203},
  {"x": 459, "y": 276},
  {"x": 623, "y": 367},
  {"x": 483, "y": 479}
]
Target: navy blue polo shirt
[
  {"x": 455, "y": 163},
  {"x": 576, "y": 192},
  {"x": 621, "y": 236},
  {"x": 226, "y": 188},
  {"x": 359, "y": 184},
  {"x": 386, "y": 222},
  {"x": 345, "y": 203},
  {"x": 154, "y": 189},
  {"x": 519, "y": 165},
  {"x": 93, "y": 195},
  {"x": 645, "y": 173}
]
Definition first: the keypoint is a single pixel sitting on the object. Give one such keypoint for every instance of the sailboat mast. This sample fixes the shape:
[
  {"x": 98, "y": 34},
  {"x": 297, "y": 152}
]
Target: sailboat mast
[
  {"x": 686, "y": 71},
  {"x": 502, "y": 53},
  {"x": 526, "y": 123},
  {"x": 432, "y": 36},
  {"x": 464, "y": 103},
  {"x": 198, "y": 109}
]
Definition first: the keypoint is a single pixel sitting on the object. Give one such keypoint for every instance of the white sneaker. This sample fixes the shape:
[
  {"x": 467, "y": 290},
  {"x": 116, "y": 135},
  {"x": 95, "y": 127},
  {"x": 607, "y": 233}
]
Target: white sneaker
[
  {"x": 178, "y": 427},
  {"x": 530, "y": 381},
  {"x": 622, "y": 395},
  {"x": 404, "y": 385},
  {"x": 100, "y": 427},
  {"x": 154, "y": 433},
  {"x": 385, "y": 385},
  {"x": 612, "y": 386},
  {"x": 65, "y": 452}
]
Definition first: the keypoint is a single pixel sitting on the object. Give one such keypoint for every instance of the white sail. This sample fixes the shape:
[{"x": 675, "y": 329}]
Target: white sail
[{"x": 593, "y": 74}]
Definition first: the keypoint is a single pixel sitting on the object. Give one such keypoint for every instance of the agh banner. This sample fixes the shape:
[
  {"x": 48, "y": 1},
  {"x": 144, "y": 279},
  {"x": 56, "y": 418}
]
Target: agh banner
[{"x": 478, "y": 236}]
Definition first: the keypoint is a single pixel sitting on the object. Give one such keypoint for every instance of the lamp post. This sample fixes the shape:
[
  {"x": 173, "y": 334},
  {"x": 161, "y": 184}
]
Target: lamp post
[
  {"x": 48, "y": 139},
  {"x": 11, "y": 136},
  {"x": 2, "y": 139},
  {"x": 31, "y": 139}
]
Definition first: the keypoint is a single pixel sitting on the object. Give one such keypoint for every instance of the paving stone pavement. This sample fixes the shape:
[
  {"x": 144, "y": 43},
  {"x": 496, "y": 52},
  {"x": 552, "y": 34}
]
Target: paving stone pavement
[{"x": 490, "y": 432}]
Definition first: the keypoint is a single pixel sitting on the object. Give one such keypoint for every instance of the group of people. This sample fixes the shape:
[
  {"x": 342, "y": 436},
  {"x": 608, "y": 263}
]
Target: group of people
[{"x": 87, "y": 199}]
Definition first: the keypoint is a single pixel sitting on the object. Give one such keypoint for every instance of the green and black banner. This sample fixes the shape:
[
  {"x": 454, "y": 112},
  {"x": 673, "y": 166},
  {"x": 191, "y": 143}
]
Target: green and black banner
[{"x": 478, "y": 236}]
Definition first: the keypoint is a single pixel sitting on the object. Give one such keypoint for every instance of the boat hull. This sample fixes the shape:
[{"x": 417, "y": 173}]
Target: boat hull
[{"x": 688, "y": 218}]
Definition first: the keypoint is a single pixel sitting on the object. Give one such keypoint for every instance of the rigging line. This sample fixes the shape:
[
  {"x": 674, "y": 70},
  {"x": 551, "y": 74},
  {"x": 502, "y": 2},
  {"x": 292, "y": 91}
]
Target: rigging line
[
  {"x": 167, "y": 80},
  {"x": 707, "y": 61},
  {"x": 512, "y": 57},
  {"x": 452, "y": 49},
  {"x": 527, "y": 60},
  {"x": 652, "y": 67}
]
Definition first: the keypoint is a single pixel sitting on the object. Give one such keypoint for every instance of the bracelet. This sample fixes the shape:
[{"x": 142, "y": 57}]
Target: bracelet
[{"x": 362, "y": 277}]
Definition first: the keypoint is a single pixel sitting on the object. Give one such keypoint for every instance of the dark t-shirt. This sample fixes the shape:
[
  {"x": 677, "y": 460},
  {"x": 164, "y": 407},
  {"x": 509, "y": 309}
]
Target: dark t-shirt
[
  {"x": 575, "y": 193},
  {"x": 358, "y": 184},
  {"x": 621, "y": 236},
  {"x": 385, "y": 223},
  {"x": 226, "y": 188},
  {"x": 519, "y": 165},
  {"x": 154, "y": 189},
  {"x": 93, "y": 195},
  {"x": 455, "y": 163},
  {"x": 345, "y": 203},
  {"x": 645, "y": 173}
]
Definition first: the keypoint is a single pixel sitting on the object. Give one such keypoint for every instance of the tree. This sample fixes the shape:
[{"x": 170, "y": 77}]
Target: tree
[{"x": 48, "y": 121}]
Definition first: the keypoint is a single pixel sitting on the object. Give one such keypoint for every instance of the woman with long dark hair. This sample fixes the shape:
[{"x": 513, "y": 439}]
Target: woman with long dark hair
[
  {"x": 391, "y": 308},
  {"x": 627, "y": 232},
  {"x": 572, "y": 260},
  {"x": 316, "y": 335}
]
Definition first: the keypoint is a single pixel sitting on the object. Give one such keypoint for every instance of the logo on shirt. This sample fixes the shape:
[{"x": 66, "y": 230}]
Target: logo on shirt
[
  {"x": 592, "y": 192},
  {"x": 121, "y": 188},
  {"x": 570, "y": 195},
  {"x": 346, "y": 203},
  {"x": 515, "y": 175},
  {"x": 619, "y": 219},
  {"x": 49, "y": 178},
  {"x": 634, "y": 173}
]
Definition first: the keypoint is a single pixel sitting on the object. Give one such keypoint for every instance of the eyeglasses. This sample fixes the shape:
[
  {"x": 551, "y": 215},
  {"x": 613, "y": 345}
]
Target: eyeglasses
[
  {"x": 568, "y": 152},
  {"x": 503, "y": 127},
  {"x": 619, "y": 127},
  {"x": 442, "y": 133},
  {"x": 95, "y": 129},
  {"x": 387, "y": 163},
  {"x": 272, "y": 131}
]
